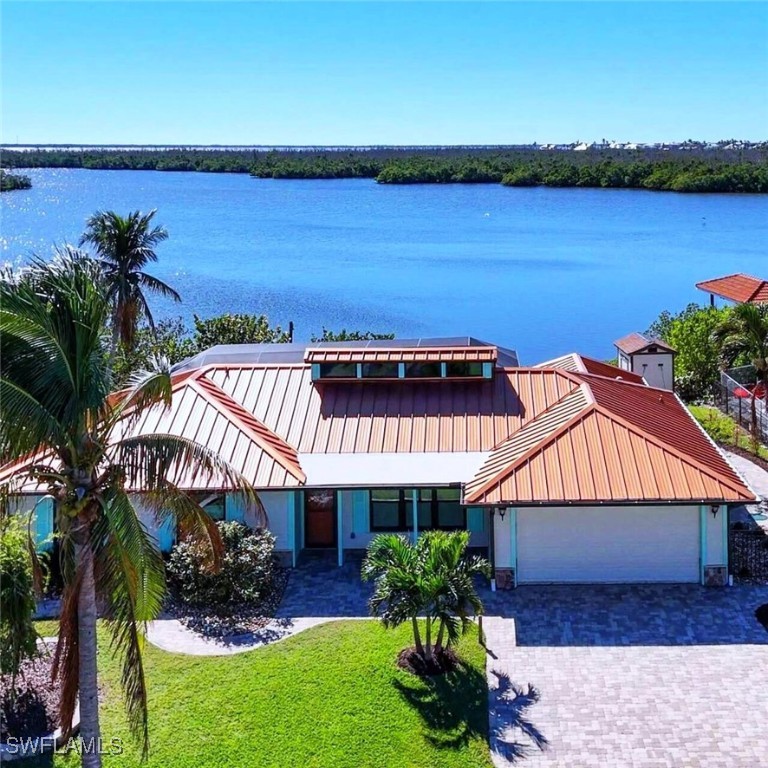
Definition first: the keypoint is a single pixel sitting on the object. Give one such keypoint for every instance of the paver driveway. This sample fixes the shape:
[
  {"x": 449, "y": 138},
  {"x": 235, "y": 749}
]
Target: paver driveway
[{"x": 631, "y": 677}]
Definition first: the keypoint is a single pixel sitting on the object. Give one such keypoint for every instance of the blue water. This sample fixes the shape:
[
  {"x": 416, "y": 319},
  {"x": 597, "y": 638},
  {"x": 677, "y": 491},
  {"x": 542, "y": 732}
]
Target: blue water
[{"x": 546, "y": 271}]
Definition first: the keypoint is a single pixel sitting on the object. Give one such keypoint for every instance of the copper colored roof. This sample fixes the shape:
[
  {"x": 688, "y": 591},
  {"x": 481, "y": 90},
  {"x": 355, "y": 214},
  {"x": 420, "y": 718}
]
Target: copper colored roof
[
  {"x": 454, "y": 416},
  {"x": 740, "y": 288},
  {"x": 625, "y": 443},
  {"x": 582, "y": 364},
  {"x": 637, "y": 342},
  {"x": 402, "y": 355}
]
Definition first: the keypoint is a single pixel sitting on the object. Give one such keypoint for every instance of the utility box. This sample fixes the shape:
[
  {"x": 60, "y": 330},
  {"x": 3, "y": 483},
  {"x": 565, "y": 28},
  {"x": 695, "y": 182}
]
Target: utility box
[{"x": 650, "y": 358}]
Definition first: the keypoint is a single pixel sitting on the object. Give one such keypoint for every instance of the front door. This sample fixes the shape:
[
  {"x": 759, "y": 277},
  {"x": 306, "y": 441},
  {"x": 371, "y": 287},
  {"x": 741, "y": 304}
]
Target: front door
[{"x": 320, "y": 518}]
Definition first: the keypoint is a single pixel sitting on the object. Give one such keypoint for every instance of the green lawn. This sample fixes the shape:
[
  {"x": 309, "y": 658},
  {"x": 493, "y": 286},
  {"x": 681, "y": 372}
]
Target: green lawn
[
  {"x": 331, "y": 697},
  {"x": 724, "y": 430}
]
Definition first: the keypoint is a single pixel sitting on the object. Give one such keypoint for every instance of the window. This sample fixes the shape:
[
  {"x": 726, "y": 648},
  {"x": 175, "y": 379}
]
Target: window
[
  {"x": 391, "y": 509},
  {"x": 464, "y": 369},
  {"x": 338, "y": 371},
  {"x": 212, "y": 503},
  {"x": 423, "y": 370},
  {"x": 385, "y": 510},
  {"x": 380, "y": 370}
]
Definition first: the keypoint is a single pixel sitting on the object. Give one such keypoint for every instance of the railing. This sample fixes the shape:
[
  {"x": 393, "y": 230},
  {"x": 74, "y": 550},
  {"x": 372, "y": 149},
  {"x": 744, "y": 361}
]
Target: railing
[{"x": 733, "y": 398}]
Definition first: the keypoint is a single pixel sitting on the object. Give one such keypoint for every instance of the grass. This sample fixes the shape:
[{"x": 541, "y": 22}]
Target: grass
[
  {"x": 724, "y": 430},
  {"x": 329, "y": 697}
]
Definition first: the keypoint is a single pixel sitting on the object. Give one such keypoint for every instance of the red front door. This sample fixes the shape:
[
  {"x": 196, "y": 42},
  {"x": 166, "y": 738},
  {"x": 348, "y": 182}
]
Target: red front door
[{"x": 319, "y": 518}]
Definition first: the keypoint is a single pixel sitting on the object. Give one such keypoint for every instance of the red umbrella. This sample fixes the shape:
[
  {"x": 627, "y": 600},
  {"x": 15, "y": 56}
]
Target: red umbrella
[{"x": 741, "y": 392}]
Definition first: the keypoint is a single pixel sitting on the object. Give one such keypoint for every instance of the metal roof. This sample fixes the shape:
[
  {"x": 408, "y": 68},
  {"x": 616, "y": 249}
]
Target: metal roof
[
  {"x": 616, "y": 442},
  {"x": 740, "y": 288},
  {"x": 581, "y": 364},
  {"x": 395, "y": 354},
  {"x": 287, "y": 354},
  {"x": 637, "y": 342}
]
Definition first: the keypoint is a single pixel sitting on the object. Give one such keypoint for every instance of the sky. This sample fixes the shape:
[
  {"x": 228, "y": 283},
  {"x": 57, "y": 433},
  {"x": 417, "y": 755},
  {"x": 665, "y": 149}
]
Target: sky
[{"x": 382, "y": 73}]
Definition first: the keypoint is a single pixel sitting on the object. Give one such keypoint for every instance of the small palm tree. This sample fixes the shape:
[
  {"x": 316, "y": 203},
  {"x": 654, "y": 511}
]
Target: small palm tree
[
  {"x": 66, "y": 433},
  {"x": 124, "y": 246},
  {"x": 433, "y": 578},
  {"x": 744, "y": 334}
]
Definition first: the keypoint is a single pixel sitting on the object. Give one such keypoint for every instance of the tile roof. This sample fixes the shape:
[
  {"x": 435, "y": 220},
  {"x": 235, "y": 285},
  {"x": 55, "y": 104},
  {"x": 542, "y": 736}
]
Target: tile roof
[
  {"x": 636, "y": 342},
  {"x": 624, "y": 443},
  {"x": 740, "y": 288}
]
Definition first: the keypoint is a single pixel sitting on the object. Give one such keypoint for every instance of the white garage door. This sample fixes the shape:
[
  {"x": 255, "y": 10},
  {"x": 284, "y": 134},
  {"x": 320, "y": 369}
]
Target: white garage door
[{"x": 616, "y": 544}]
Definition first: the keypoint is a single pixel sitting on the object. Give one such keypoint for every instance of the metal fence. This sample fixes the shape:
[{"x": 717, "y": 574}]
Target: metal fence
[
  {"x": 733, "y": 398},
  {"x": 748, "y": 556}
]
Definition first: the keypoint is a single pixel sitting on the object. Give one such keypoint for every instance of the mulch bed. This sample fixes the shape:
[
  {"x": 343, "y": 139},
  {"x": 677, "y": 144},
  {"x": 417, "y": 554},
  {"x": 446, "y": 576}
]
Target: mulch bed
[
  {"x": 412, "y": 661},
  {"x": 34, "y": 709},
  {"x": 222, "y": 622}
]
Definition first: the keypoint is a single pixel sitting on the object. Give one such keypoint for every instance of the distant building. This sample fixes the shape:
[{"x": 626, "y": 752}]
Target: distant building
[{"x": 650, "y": 358}]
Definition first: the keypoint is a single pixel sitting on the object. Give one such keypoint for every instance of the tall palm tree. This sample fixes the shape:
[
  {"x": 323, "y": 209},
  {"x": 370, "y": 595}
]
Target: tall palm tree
[
  {"x": 744, "y": 334},
  {"x": 124, "y": 246},
  {"x": 68, "y": 435}
]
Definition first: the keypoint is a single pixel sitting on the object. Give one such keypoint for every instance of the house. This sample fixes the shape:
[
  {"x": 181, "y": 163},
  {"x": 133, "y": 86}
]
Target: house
[
  {"x": 651, "y": 359},
  {"x": 570, "y": 471},
  {"x": 738, "y": 288}
]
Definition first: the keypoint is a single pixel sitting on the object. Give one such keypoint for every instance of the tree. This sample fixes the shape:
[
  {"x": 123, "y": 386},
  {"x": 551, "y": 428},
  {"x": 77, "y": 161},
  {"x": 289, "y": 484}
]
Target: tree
[
  {"x": 345, "y": 335},
  {"x": 433, "y": 578},
  {"x": 66, "y": 434},
  {"x": 743, "y": 335},
  {"x": 236, "y": 329},
  {"x": 124, "y": 246},
  {"x": 18, "y": 637},
  {"x": 697, "y": 366}
]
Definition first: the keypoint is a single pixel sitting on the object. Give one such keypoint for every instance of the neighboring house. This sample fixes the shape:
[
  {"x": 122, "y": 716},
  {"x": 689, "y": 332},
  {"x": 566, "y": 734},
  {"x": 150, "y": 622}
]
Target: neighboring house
[
  {"x": 572, "y": 471},
  {"x": 651, "y": 359},
  {"x": 738, "y": 288}
]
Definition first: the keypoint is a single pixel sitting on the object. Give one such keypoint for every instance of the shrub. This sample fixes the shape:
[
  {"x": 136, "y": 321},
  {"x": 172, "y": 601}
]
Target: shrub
[
  {"x": 18, "y": 638},
  {"x": 247, "y": 572}
]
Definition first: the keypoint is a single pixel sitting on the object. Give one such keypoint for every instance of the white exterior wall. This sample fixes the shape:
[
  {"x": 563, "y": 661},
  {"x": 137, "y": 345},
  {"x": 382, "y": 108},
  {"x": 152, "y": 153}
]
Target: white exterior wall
[
  {"x": 624, "y": 362},
  {"x": 716, "y": 538},
  {"x": 647, "y": 366},
  {"x": 277, "y": 505}
]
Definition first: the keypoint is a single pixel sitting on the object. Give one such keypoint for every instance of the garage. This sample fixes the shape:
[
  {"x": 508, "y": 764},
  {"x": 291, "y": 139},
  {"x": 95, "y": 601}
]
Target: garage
[{"x": 607, "y": 544}]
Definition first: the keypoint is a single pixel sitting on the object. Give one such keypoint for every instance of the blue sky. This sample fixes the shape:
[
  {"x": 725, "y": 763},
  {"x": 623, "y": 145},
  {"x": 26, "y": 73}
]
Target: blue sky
[{"x": 370, "y": 73}]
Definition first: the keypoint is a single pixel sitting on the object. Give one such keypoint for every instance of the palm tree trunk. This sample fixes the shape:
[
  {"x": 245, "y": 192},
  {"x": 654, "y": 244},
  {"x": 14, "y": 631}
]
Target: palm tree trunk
[
  {"x": 90, "y": 730},
  {"x": 417, "y": 636},
  {"x": 439, "y": 643},
  {"x": 428, "y": 644}
]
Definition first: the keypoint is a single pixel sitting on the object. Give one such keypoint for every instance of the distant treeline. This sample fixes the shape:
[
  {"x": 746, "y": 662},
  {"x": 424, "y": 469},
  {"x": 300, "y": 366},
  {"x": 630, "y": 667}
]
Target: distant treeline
[
  {"x": 678, "y": 170},
  {"x": 9, "y": 181}
]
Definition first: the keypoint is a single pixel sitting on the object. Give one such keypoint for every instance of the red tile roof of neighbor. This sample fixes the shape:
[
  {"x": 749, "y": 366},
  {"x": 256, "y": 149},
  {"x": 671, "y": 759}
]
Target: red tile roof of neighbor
[
  {"x": 637, "y": 342},
  {"x": 740, "y": 288},
  {"x": 555, "y": 435}
]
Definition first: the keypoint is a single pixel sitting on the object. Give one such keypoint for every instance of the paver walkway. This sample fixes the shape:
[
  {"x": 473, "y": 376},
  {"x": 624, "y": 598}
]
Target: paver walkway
[
  {"x": 757, "y": 479},
  {"x": 636, "y": 677}
]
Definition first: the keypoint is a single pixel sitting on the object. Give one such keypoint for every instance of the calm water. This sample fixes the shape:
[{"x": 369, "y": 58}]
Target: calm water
[{"x": 545, "y": 271}]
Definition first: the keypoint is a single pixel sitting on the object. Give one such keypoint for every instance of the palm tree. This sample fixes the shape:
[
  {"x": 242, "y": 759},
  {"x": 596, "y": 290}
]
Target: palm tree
[
  {"x": 744, "y": 334},
  {"x": 433, "y": 578},
  {"x": 66, "y": 433},
  {"x": 124, "y": 246}
]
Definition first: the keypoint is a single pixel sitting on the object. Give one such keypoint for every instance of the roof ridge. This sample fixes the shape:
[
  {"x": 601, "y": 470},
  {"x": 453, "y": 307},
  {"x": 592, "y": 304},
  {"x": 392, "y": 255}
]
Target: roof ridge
[
  {"x": 663, "y": 444},
  {"x": 235, "y": 411}
]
